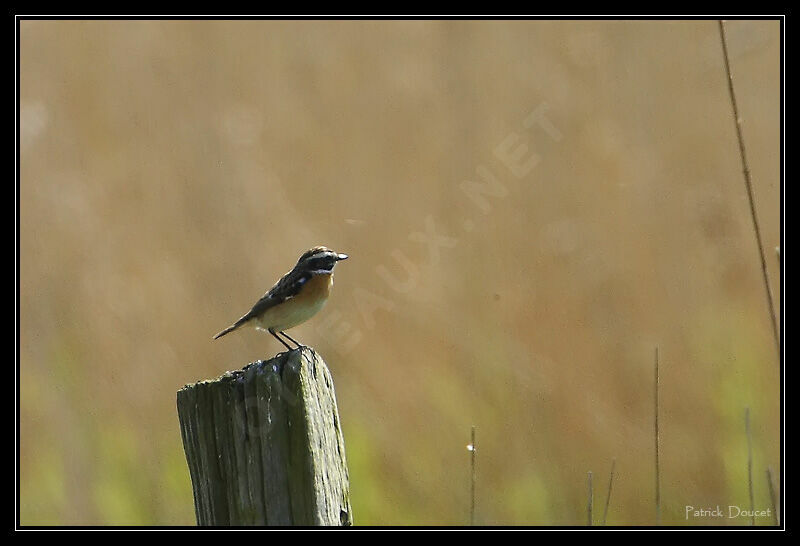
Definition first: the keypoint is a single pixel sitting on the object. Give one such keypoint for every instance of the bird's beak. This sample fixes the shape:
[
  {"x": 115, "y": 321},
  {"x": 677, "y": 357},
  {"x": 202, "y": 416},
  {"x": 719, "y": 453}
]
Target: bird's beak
[{"x": 342, "y": 257}]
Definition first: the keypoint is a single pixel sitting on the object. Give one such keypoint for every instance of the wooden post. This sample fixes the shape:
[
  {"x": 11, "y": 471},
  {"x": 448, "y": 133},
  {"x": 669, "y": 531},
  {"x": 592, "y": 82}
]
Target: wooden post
[{"x": 264, "y": 445}]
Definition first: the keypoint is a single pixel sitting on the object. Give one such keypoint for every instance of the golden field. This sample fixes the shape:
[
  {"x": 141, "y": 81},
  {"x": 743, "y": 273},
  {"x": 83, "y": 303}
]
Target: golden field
[{"x": 530, "y": 208}]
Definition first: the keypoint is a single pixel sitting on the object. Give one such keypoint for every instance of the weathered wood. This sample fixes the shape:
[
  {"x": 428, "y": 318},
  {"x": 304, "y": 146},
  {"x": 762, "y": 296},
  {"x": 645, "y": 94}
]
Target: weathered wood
[{"x": 264, "y": 445}]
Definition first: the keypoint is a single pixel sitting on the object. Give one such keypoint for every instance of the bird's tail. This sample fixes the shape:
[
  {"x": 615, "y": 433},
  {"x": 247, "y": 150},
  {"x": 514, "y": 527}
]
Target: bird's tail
[{"x": 232, "y": 327}]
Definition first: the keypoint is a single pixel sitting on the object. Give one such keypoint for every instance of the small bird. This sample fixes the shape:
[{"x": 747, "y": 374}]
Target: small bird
[{"x": 295, "y": 298}]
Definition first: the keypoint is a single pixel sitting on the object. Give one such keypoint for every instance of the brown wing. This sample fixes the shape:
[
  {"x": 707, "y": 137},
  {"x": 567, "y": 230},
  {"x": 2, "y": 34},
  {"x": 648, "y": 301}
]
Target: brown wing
[{"x": 287, "y": 287}]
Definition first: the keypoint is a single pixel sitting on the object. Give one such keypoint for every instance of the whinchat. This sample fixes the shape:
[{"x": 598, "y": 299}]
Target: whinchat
[{"x": 295, "y": 298}]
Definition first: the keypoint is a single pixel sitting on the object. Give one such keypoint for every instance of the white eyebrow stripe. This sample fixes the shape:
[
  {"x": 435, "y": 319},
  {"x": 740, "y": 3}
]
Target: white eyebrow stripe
[
  {"x": 320, "y": 271},
  {"x": 323, "y": 254}
]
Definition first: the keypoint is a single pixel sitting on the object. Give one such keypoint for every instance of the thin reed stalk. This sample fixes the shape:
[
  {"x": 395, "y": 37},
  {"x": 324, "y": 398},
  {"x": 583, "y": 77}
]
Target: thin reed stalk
[
  {"x": 749, "y": 465},
  {"x": 658, "y": 466},
  {"x": 749, "y": 187},
  {"x": 608, "y": 496},
  {"x": 772, "y": 498},
  {"x": 472, "y": 447}
]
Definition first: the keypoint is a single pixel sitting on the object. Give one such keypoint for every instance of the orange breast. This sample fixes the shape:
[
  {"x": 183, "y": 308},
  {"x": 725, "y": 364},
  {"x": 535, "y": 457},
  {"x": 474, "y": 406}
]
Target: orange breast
[
  {"x": 318, "y": 286},
  {"x": 300, "y": 308}
]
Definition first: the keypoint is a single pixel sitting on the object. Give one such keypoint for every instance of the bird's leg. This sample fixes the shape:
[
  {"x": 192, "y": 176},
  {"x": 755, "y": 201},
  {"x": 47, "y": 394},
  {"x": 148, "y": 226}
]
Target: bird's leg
[
  {"x": 299, "y": 345},
  {"x": 271, "y": 331}
]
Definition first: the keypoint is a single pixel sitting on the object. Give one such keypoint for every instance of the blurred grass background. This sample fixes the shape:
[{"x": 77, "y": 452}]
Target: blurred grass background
[{"x": 172, "y": 170}]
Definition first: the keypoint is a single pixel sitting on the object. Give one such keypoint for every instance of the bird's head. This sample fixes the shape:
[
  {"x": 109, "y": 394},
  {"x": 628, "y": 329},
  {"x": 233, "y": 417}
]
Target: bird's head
[{"x": 320, "y": 260}]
